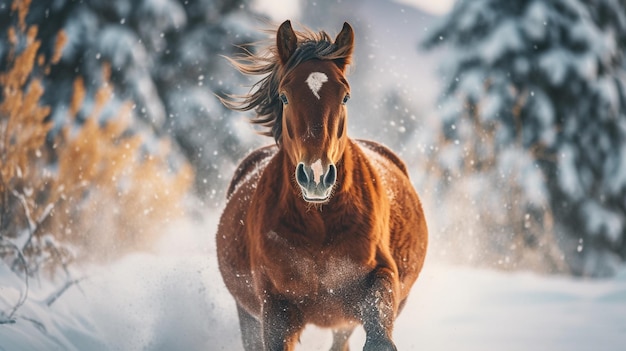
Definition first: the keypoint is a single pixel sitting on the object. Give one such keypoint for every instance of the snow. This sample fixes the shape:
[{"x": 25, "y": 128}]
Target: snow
[
  {"x": 617, "y": 173},
  {"x": 600, "y": 220},
  {"x": 568, "y": 176},
  {"x": 174, "y": 298},
  {"x": 473, "y": 83},
  {"x": 121, "y": 46},
  {"x": 518, "y": 162},
  {"x": 492, "y": 105},
  {"x": 609, "y": 94},
  {"x": 165, "y": 15},
  {"x": 535, "y": 26},
  {"x": 544, "y": 113},
  {"x": 554, "y": 64},
  {"x": 505, "y": 38}
]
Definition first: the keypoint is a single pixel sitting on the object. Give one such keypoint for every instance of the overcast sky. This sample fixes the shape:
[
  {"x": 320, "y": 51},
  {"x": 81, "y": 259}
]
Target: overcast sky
[{"x": 280, "y": 10}]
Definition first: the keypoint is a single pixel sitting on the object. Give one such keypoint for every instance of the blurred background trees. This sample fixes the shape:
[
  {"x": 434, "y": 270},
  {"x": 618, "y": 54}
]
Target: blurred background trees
[
  {"x": 513, "y": 129},
  {"x": 89, "y": 185},
  {"x": 533, "y": 113}
]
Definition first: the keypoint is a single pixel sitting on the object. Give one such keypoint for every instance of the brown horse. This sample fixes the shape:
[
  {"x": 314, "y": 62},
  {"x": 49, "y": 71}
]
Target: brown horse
[{"x": 319, "y": 228}]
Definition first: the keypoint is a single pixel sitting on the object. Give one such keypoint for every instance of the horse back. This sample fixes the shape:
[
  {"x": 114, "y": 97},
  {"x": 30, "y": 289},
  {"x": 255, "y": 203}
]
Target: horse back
[
  {"x": 252, "y": 164},
  {"x": 385, "y": 152},
  {"x": 233, "y": 250}
]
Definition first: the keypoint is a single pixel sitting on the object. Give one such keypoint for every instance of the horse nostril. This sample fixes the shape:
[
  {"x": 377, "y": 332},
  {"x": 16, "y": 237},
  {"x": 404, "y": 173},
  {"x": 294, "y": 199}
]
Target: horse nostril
[
  {"x": 301, "y": 176},
  {"x": 331, "y": 176}
]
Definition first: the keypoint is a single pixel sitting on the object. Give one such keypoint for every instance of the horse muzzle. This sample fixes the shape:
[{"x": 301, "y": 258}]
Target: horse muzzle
[{"x": 316, "y": 181}]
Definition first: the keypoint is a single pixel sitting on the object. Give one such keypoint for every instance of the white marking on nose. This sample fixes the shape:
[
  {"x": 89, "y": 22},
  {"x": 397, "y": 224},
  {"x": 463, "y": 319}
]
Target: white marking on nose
[
  {"x": 318, "y": 170},
  {"x": 315, "y": 81}
]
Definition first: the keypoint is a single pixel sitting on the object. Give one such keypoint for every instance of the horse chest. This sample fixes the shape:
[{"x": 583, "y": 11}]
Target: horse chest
[{"x": 303, "y": 270}]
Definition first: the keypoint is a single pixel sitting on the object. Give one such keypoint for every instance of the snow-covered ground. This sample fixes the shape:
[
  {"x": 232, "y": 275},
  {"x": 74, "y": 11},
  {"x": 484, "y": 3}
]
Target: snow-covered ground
[{"x": 174, "y": 299}]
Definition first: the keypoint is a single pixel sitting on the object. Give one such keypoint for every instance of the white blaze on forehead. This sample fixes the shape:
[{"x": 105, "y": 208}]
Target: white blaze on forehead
[
  {"x": 315, "y": 81},
  {"x": 318, "y": 170}
]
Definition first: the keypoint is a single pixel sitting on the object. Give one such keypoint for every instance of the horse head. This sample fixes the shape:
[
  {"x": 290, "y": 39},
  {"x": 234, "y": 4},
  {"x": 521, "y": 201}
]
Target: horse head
[{"x": 313, "y": 94}]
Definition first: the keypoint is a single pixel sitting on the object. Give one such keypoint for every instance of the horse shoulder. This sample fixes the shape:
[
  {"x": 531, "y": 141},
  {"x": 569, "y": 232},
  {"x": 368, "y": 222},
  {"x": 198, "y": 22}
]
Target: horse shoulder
[
  {"x": 407, "y": 223},
  {"x": 385, "y": 152},
  {"x": 253, "y": 164}
]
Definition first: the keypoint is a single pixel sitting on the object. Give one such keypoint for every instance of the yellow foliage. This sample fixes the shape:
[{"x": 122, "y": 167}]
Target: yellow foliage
[
  {"x": 22, "y": 127},
  {"x": 21, "y": 7},
  {"x": 117, "y": 198}
]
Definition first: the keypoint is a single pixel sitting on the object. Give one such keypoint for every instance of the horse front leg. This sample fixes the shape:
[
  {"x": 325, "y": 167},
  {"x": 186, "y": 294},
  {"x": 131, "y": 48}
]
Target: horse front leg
[
  {"x": 340, "y": 339},
  {"x": 250, "y": 330},
  {"x": 378, "y": 310},
  {"x": 282, "y": 324}
]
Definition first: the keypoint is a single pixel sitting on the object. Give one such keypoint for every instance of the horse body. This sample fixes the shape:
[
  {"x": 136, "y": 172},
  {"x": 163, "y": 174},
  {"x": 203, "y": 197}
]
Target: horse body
[{"x": 328, "y": 232}]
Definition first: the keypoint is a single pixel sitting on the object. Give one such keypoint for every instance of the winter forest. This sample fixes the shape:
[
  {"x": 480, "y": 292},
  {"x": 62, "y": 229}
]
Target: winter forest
[{"x": 116, "y": 153}]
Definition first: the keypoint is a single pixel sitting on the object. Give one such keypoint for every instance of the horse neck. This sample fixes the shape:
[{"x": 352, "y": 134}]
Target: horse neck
[
  {"x": 345, "y": 169},
  {"x": 290, "y": 192},
  {"x": 359, "y": 174}
]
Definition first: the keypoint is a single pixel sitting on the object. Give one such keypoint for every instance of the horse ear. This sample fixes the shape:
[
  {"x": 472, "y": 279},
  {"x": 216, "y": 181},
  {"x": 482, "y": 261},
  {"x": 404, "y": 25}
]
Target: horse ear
[
  {"x": 345, "y": 45},
  {"x": 286, "y": 41}
]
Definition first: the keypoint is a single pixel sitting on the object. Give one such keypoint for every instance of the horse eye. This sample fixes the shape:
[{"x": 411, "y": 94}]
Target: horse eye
[
  {"x": 283, "y": 99},
  {"x": 345, "y": 99}
]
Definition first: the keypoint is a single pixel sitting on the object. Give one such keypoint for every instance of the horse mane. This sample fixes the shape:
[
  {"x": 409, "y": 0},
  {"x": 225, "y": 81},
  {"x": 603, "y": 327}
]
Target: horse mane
[{"x": 263, "y": 97}]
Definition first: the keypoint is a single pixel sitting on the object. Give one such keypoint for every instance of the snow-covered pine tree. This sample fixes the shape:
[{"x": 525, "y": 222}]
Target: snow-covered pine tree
[
  {"x": 534, "y": 118},
  {"x": 164, "y": 56}
]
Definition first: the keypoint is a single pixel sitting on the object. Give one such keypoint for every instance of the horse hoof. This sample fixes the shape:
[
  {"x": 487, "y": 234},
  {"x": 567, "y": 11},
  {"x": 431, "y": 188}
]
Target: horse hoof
[{"x": 379, "y": 345}]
